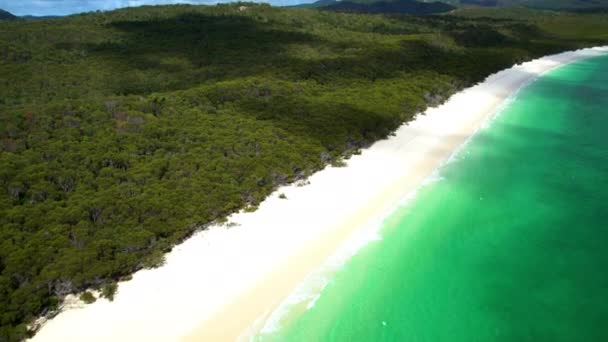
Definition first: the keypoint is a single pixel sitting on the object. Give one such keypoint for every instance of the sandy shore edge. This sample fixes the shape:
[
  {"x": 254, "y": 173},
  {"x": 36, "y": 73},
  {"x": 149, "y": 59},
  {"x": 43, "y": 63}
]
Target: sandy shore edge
[{"x": 220, "y": 282}]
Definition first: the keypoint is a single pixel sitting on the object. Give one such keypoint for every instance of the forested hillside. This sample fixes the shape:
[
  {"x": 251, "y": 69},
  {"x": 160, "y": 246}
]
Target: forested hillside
[
  {"x": 389, "y": 6},
  {"x": 395, "y": 6},
  {"x": 539, "y": 4},
  {"x": 122, "y": 133}
]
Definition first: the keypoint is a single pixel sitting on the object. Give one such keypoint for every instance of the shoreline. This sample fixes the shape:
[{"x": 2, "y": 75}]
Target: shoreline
[{"x": 220, "y": 282}]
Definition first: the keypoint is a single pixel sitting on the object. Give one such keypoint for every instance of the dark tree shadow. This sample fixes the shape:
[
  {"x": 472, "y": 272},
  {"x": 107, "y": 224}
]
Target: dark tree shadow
[{"x": 197, "y": 48}]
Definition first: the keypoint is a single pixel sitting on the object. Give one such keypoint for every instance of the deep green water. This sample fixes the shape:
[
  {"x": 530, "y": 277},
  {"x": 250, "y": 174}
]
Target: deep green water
[{"x": 511, "y": 245}]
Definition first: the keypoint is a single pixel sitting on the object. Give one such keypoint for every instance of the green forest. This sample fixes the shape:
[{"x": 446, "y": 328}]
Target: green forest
[
  {"x": 416, "y": 6},
  {"x": 122, "y": 133}
]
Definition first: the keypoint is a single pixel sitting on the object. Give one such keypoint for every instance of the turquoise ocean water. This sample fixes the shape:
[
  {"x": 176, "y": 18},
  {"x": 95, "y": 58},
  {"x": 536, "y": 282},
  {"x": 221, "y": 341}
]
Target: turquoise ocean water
[{"x": 511, "y": 244}]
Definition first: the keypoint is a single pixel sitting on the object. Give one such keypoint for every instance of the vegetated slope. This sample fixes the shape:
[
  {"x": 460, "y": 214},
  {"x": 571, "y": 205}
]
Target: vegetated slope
[
  {"x": 557, "y": 4},
  {"x": 540, "y": 4},
  {"x": 388, "y": 6},
  {"x": 123, "y": 132},
  {"x": 397, "y": 6},
  {"x": 4, "y": 15},
  {"x": 438, "y": 6}
]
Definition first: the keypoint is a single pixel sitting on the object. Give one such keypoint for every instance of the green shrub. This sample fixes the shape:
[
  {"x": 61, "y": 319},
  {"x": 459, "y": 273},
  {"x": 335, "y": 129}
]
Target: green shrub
[
  {"x": 109, "y": 290},
  {"x": 87, "y": 297}
]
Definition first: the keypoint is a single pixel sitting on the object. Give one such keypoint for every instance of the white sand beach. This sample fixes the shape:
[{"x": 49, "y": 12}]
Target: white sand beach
[{"x": 216, "y": 284}]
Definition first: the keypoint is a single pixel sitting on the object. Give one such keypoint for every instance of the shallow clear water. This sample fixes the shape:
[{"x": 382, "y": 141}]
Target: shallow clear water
[{"x": 511, "y": 244}]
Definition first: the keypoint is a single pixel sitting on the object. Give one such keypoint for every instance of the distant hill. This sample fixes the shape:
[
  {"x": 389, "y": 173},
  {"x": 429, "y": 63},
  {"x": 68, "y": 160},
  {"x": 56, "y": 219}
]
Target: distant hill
[
  {"x": 397, "y": 6},
  {"x": 540, "y": 4},
  {"x": 33, "y": 17},
  {"x": 488, "y": 3},
  {"x": 4, "y": 15},
  {"x": 557, "y": 4},
  {"x": 317, "y": 4},
  {"x": 7, "y": 16}
]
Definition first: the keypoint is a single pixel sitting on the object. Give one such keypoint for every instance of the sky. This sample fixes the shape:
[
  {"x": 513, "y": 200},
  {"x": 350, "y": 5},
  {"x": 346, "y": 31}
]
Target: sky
[{"x": 63, "y": 7}]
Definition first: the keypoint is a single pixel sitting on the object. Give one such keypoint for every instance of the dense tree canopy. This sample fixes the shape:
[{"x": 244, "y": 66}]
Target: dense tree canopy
[{"x": 123, "y": 132}]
